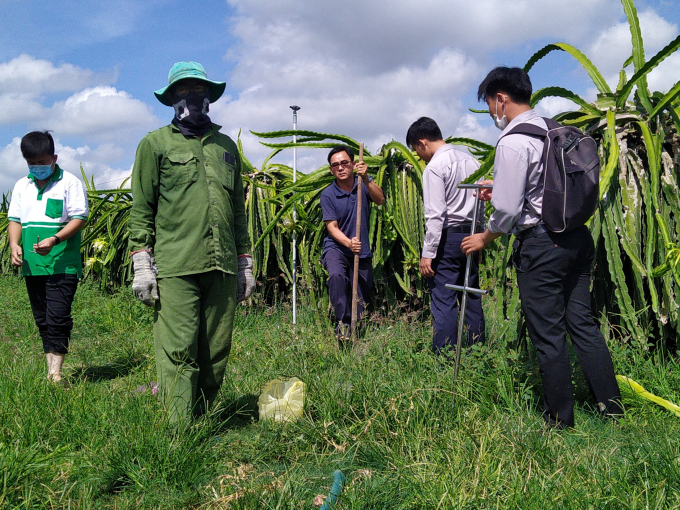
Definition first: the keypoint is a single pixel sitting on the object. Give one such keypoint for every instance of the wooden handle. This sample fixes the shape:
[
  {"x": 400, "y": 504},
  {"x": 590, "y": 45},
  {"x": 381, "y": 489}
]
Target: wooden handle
[
  {"x": 360, "y": 186},
  {"x": 355, "y": 280}
]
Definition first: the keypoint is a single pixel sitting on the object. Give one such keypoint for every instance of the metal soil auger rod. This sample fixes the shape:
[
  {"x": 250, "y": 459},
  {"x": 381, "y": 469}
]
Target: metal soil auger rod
[
  {"x": 465, "y": 288},
  {"x": 355, "y": 280},
  {"x": 294, "y": 268}
]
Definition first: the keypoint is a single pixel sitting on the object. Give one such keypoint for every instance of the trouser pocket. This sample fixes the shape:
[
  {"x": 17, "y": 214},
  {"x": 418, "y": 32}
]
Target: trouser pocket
[{"x": 516, "y": 256}]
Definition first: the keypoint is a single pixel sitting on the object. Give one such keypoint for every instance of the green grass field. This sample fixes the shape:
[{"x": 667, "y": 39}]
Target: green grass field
[{"x": 382, "y": 414}]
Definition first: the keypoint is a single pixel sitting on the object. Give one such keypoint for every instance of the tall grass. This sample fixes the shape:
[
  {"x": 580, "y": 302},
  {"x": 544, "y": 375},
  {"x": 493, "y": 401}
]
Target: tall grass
[{"x": 382, "y": 414}]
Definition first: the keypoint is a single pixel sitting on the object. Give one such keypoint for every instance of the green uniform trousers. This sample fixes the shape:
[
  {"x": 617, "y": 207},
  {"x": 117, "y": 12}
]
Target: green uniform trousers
[{"x": 192, "y": 337}]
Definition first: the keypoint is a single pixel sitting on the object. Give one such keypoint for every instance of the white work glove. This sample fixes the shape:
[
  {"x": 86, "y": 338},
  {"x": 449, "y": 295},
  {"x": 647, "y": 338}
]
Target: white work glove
[
  {"x": 144, "y": 286},
  {"x": 245, "y": 281}
]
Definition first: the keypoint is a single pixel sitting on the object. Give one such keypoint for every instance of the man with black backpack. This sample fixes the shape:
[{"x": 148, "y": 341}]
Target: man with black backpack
[{"x": 553, "y": 249}]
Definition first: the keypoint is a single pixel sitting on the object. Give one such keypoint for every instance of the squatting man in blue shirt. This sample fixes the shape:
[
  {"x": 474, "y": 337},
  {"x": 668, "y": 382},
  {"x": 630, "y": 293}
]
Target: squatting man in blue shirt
[
  {"x": 339, "y": 207},
  {"x": 553, "y": 269}
]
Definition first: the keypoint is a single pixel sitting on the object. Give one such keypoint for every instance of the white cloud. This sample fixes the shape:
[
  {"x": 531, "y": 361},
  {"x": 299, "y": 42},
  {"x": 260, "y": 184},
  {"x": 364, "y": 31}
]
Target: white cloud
[
  {"x": 19, "y": 108},
  {"x": 469, "y": 127},
  {"x": 369, "y": 69},
  {"x": 102, "y": 123},
  {"x": 28, "y": 75},
  {"x": 613, "y": 47},
  {"x": 100, "y": 113},
  {"x": 97, "y": 162},
  {"x": 551, "y": 106},
  {"x": 383, "y": 34},
  {"x": 96, "y": 113},
  {"x": 374, "y": 108},
  {"x": 363, "y": 69},
  {"x": 12, "y": 164}
]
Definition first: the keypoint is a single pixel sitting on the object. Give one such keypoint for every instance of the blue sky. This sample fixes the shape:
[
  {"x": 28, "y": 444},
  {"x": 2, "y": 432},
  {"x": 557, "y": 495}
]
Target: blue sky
[{"x": 87, "y": 70}]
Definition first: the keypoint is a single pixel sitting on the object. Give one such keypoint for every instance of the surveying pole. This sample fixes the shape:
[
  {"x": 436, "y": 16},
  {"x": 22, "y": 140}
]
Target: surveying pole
[
  {"x": 357, "y": 234},
  {"x": 465, "y": 288},
  {"x": 295, "y": 110}
]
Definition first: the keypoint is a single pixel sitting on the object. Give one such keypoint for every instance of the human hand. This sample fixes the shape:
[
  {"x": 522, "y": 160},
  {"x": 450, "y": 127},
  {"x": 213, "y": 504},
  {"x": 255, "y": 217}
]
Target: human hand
[
  {"x": 45, "y": 246},
  {"x": 16, "y": 255},
  {"x": 144, "y": 285},
  {"x": 426, "y": 267},
  {"x": 362, "y": 170},
  {"x": 245, "y": 280},
  {"x": 485, "y": 194},
  {"x": 355, "y": 245},
  {"x": 473, "y": 243}
]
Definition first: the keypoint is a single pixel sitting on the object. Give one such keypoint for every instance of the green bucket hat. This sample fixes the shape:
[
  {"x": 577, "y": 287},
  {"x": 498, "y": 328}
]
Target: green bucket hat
[{"x": 184, "y": 70}]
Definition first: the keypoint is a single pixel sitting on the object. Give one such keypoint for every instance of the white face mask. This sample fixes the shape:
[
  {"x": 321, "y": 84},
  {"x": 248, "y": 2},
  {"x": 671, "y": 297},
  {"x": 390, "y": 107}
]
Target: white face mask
[{"x": 500, "y": 123}]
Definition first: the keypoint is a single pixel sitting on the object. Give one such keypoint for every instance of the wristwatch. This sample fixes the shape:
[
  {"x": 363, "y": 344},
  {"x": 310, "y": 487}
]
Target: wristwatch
[{"x": 57, "y": 238}]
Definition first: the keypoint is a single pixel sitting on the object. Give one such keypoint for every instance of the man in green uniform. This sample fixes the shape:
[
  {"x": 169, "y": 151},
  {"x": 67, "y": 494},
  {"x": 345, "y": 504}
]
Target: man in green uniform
[{"x": 189, "y": 242}]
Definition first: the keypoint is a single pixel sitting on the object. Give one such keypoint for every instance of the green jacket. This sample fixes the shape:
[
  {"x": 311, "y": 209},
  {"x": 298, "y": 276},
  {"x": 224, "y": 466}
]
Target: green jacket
[{"x": 188, "y": 203}]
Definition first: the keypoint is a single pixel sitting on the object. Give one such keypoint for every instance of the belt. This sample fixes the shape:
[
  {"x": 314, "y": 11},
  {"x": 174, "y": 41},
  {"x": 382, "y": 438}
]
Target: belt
[
  {"x": 531, "y": 232},
  {"x": 460, "y": 229}
]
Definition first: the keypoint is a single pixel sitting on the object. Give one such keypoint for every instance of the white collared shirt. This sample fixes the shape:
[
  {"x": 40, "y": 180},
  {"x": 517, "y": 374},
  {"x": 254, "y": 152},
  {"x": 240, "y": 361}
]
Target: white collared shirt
[
  {"x": 517, "y": 179},
  {"x": 444, "y": 203}
]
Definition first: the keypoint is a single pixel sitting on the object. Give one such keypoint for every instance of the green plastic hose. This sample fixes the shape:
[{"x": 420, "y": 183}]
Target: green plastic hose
[{"x": 336, "y": 490}]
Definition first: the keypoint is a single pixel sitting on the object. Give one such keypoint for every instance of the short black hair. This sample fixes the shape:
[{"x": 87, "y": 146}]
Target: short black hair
[
  {"x": 425, "y": 128},
  {"x": 341, "y": 148},
  {"x": 36, "y": 144},
  {"x": 512, "y": 81}
]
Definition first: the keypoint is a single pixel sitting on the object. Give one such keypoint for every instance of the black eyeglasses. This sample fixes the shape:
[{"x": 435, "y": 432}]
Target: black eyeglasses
[
  {"x": 184, "y": 90},
  {"x": 343, "y": 163}
]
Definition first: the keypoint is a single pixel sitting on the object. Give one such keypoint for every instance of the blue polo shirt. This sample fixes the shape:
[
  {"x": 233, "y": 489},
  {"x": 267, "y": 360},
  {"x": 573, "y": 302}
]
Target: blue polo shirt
[{"x": 341, "y": 206}]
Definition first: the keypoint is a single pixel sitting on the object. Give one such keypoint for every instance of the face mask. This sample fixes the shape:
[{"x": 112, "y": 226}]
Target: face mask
[
  {"x": 500, "y": 123},
  {"x": 191, "y": 107},
  {"x": 40, "y": 172},
  {"x": 191, "y": 114}
]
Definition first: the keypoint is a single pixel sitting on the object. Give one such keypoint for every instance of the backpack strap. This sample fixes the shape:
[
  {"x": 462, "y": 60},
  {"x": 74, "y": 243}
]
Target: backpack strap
[
  {"x": 532, "y": 130},
  {"x": 527, "y": 129}
]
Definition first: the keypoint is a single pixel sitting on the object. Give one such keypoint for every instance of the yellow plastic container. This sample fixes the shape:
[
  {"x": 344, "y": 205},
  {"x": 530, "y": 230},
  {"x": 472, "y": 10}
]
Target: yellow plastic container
[{"x": 282, "y": 401}]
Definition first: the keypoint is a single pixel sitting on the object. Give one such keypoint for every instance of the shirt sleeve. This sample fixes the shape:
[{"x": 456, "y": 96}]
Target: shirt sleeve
[
  {"x": 327, "y": 208},
  {"x": 14, "y": 211},
  {"x": 76, "y": 201},
  {"x": 144, "y": 184},
  {"x": 510, "y": 176},
  {"x": 365, "y": 189},
  {"x": 241, "y": 236},
  {"x": 434, "y": 205}
]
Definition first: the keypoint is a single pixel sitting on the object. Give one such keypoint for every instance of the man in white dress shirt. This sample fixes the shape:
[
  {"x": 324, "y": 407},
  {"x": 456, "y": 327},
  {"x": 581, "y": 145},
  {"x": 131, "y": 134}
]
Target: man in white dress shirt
[
  {"x": 553, "y": 269},
  {"x": 448, "y": 214}
]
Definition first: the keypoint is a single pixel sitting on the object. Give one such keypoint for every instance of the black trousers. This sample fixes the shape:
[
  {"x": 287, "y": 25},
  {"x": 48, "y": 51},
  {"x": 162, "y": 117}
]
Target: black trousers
[
  {"x": 449, "y": 268},
  {"x": 51, "y": 298},
  {"x": 340, "y": 276},
  {"x": 553, "y": 274}
]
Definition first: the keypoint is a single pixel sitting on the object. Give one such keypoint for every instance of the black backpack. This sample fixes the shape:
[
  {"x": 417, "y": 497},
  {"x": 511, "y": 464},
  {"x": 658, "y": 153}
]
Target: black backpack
[{"x": 571, "y": 174}]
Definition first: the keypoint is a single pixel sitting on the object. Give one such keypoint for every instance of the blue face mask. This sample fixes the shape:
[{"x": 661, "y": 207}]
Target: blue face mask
[{"x": 40, "y": 172}]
